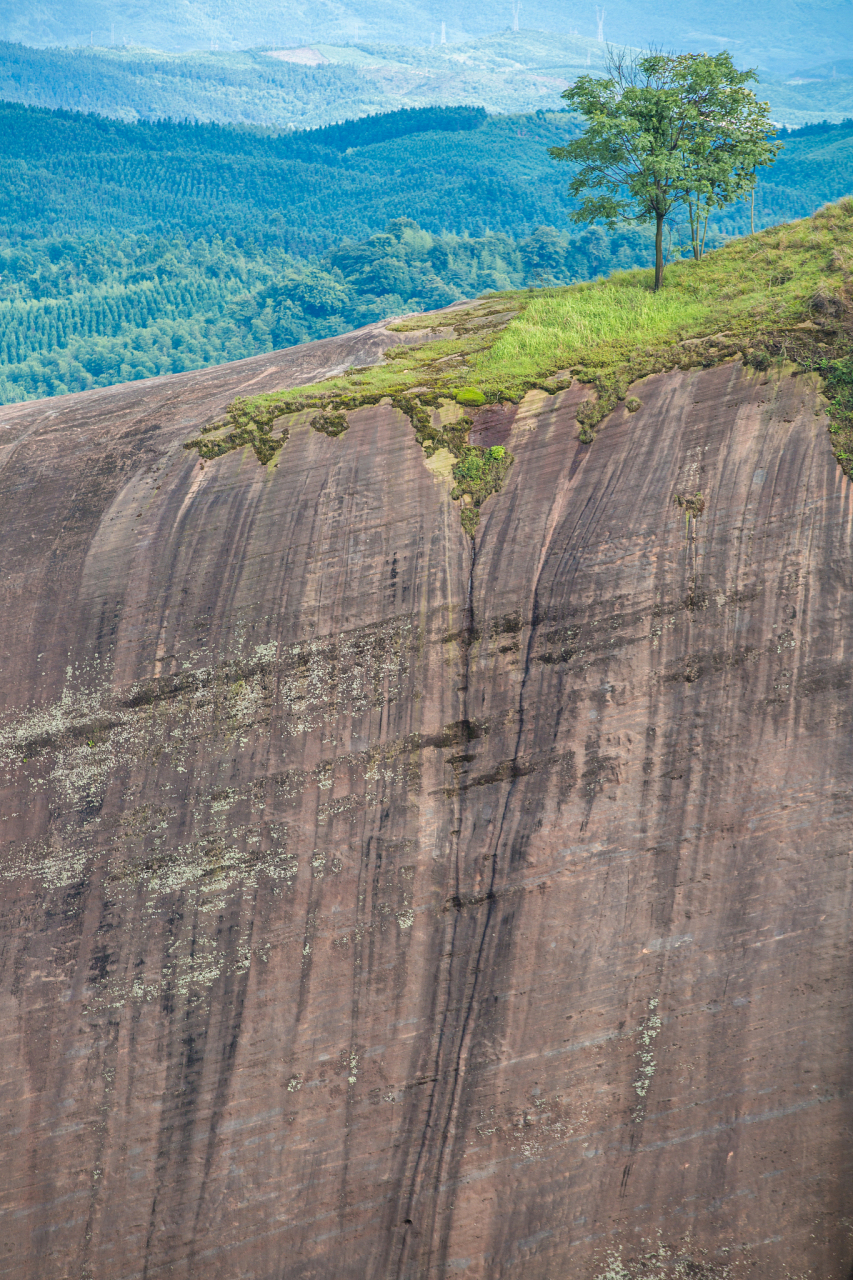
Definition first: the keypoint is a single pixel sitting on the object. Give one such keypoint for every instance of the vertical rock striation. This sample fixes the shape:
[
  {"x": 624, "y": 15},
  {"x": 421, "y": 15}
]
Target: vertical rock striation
[{"x": 379, "y": 903}]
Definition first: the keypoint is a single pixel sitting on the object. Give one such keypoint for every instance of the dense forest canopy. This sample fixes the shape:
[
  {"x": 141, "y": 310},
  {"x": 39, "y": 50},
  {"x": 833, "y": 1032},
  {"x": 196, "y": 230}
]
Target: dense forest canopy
[
  {"x": 128, "y": 250},
  {"x": 65, "y": 174}
]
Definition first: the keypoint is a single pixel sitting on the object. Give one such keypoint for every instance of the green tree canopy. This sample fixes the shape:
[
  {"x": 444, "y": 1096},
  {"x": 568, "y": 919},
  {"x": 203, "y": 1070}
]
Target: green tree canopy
[{"x": 666, "y": 130}]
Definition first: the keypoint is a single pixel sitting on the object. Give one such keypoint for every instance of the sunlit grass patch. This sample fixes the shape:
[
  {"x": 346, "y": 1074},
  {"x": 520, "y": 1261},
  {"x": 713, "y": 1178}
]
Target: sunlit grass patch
[{"x": 568, "y": 328}]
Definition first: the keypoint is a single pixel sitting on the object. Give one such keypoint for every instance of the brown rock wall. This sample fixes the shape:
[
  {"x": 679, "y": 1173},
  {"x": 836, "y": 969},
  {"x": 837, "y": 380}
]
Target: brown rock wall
[{"x": 376, "y": 903}]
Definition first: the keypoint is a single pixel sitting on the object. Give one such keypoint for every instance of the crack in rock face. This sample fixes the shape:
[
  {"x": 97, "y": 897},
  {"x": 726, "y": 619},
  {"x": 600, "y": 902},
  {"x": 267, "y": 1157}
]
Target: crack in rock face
[{"x": 384, "y": 901}]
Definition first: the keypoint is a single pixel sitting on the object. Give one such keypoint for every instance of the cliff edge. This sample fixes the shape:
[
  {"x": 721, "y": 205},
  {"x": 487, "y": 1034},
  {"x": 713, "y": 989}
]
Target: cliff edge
[{"x": 387, "y": 897}]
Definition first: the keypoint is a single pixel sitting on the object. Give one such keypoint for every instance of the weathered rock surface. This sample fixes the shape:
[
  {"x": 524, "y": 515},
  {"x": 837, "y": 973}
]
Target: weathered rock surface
[{"x": 379, "y": 904}]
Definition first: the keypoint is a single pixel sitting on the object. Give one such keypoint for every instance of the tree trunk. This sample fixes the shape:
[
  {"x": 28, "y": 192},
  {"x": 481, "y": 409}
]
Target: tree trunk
[
  {"x": 694, "y": 226},
  {"x": 658, "y": 251}
]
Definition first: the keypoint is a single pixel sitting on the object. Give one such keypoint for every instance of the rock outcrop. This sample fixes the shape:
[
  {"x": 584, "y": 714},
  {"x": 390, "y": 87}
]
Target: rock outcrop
[{"x": 382, "y": 903}]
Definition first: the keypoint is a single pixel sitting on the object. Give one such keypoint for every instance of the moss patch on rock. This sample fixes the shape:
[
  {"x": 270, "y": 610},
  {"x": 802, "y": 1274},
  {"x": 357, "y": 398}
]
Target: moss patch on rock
[
  {"x": 330, "y": 424},
  {"x": 244, "y": 423}
]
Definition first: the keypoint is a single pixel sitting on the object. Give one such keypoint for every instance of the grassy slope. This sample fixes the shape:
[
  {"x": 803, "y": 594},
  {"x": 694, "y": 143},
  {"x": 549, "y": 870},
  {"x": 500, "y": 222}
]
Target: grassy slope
[
  {"x": 781, "y": 295},
  {"x": 759, "y": 285}
]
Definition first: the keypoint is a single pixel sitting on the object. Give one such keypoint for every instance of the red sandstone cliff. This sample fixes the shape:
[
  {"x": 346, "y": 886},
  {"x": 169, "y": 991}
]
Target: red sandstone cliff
[{"x": 381, "y": 905}]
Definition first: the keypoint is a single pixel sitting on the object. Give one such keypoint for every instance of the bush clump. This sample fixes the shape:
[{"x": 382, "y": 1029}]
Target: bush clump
[
  {"x": 470, "y": 396},
  {"x": 479, "y": 473},
  {"x": 838, "y": 387},
  {"x": 470, "y": 519}
]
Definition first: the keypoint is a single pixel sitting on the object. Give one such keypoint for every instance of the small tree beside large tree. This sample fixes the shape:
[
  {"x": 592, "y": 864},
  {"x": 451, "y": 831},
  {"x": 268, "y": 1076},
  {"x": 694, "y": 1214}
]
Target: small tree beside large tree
[{"x": 666, "y": 131}]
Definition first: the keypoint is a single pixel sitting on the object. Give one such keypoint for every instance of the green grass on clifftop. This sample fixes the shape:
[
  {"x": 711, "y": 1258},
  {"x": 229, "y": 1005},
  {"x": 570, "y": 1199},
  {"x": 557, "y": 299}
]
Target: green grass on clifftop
[
  {"x": 783, "y": 295},
  {"x": 789, "y": 279}
]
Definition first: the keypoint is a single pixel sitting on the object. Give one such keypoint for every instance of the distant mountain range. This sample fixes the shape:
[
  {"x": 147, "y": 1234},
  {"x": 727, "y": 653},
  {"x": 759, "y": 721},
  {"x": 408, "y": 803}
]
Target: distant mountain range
[
  {"x": 321, "y": 83},
  {"x": 778, "y": 37}
]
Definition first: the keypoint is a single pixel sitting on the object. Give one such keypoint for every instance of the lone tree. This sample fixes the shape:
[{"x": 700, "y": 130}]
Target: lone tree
[{"x": 666, "y": 130}]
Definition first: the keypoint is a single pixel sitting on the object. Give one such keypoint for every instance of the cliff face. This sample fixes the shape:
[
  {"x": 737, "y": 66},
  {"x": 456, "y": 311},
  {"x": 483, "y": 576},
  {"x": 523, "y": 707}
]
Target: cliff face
[{"x": 379, "y": 903}]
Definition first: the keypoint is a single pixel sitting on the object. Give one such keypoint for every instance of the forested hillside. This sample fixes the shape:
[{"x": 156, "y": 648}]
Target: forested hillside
[
  {"x": 131, "y": 250},
  {"x": 263, "y": 86},
  {"x": 138, "y": 84},
  {"x": 66, "y": 174}
]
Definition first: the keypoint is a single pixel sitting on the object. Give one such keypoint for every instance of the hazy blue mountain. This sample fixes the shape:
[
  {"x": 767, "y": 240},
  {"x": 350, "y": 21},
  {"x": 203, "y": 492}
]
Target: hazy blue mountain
[
  {"x": 779, "y": 37},
  {"x": 507, "y": 74},
  {"x": 502, "y": 74}
]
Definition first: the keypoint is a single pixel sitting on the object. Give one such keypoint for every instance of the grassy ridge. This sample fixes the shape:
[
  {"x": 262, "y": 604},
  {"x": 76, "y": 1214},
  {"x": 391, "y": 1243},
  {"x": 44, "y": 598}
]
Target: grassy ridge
[
  {"x": 561, "y": 329},
  {"x": 782, "y": 295}
]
